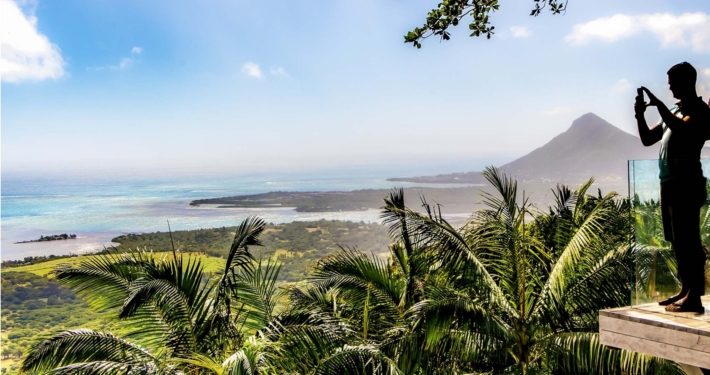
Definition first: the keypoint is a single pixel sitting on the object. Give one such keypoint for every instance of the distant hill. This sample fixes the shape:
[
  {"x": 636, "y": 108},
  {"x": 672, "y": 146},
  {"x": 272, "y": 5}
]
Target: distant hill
[{"x": 591, "y": 147}]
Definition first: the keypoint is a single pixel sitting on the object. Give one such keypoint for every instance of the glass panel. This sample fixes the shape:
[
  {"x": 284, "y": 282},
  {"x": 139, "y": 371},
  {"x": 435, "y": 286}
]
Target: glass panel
[{"x": 656, "y": 267}]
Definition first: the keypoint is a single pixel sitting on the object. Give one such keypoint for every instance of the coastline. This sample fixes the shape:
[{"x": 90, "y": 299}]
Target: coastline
[
  {"x": 181, "y": 217},
  {"x": 99, "y": 209}
]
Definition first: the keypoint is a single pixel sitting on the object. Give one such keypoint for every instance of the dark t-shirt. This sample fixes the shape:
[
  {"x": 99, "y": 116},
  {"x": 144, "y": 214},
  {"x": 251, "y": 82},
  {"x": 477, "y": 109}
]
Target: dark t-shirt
[{"x": 679, "y": 156}]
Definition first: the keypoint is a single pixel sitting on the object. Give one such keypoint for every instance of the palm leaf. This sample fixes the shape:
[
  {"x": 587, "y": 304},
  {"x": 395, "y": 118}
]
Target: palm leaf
[
  {"x": 357, "y": 360},
  {"x": 253, "y": 287},
  {"x": 582, "y": 353},
  {"x": 80, "y": 346},
  {"x": 590, "y": 233},
  {"x": 104, "y": 281},
  {"x": 247, "y": 234},
  {"x": 351, "y": 271}
]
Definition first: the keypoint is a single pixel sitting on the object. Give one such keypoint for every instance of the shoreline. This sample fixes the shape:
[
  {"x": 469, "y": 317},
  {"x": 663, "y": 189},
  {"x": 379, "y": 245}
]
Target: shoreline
[
  {"x": 92, "y": 242},
  {"x": 104, "y": 212}
]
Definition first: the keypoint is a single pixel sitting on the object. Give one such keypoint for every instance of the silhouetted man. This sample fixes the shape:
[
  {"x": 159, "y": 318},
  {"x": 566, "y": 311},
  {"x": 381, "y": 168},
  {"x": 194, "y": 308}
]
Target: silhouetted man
[{"x": 682, "y": 131}]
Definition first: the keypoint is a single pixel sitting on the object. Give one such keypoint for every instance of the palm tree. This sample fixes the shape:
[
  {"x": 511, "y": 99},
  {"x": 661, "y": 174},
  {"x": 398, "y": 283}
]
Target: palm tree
[
  {"x": 186, "y": 320},
  {"x": 513, "y": 291}
]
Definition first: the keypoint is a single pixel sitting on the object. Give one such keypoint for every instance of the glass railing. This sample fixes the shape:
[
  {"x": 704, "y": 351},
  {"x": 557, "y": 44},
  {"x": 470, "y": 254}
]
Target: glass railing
[{"x": 656, "y": 266}]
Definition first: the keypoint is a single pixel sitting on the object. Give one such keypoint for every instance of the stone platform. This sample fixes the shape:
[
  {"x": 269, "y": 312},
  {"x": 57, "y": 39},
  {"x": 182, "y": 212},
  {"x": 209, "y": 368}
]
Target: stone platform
[{"x": 649, "y": 329}]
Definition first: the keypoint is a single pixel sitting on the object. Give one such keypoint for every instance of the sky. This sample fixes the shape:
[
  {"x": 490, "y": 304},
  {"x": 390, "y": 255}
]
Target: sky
[{"x": 246, "y": 86}]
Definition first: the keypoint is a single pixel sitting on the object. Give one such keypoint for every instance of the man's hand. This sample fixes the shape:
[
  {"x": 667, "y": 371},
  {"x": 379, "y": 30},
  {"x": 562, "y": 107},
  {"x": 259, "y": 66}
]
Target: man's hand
[
  {"x": 648, "y": 136},
  {"x": 639, "y": 104},
  {"x": 653, "y": 101}
]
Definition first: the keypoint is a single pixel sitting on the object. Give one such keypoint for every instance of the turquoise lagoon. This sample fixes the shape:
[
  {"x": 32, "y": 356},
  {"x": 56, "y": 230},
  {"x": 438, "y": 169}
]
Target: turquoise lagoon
[{"x": 99, "y": 207}]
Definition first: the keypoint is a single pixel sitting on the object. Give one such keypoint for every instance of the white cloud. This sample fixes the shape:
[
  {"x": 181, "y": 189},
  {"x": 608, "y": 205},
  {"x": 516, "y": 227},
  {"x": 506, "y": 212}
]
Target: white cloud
[
  {"x": 704, "y": 83},
  {"x": 278, "y": 71},
  {"x": 520, "y": 32},
  {"x": 27, "y": 55},
  {"x": 687, "y": 29},
  {"x": 123, "y": 64},
  {"x": 622, "y": 86},
  {"x": 608, "y": 29},
  {"x": 557, "y": 111},
  {"x": 251, "y": 70}
]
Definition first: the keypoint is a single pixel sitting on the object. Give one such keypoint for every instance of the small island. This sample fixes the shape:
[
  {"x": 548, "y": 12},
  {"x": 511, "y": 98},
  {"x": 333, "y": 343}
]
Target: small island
[{"x": 55, "y": 237}]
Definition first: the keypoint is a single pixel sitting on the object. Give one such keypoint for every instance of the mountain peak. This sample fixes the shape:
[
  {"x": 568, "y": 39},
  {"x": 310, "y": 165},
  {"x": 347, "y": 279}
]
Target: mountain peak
[
  {"x": 590, "y": 147},
  {"x": 590, "y": 120}
]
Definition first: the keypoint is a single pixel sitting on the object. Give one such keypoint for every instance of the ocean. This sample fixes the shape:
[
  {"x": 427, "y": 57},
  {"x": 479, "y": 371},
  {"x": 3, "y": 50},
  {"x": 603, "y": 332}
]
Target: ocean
[{"x": 99, "y": 207}]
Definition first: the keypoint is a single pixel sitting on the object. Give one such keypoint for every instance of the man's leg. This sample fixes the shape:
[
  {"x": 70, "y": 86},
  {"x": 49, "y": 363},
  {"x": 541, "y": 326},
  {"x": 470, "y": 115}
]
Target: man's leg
[
  {"x": 695, "y": 279},
  {"x": 689, "y": 251},
  {"x": 667, "y": 192},
  {"x": 684, "y": 286}
]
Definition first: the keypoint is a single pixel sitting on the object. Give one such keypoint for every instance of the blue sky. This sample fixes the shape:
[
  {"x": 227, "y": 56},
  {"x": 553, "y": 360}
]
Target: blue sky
[{"x": 271, "y": 86}]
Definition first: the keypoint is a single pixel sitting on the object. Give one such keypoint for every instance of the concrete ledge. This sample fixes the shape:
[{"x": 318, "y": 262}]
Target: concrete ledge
[{"x": 649, "y": 329}]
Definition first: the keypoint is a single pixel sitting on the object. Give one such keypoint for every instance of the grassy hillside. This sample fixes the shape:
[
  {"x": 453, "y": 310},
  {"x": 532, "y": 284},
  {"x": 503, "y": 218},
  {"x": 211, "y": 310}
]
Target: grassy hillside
[
  {"x": 212, "y": 264},
  {"x": 298, "y": 245}
]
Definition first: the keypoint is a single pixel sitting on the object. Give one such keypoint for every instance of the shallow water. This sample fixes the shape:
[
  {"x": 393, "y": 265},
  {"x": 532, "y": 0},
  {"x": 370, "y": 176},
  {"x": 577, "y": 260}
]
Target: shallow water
[{"x": 99, "y": 208}]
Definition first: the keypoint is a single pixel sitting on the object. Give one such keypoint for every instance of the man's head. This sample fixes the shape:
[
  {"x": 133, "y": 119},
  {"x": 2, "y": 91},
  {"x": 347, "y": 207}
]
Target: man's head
[{"x": 681, "y": 80}]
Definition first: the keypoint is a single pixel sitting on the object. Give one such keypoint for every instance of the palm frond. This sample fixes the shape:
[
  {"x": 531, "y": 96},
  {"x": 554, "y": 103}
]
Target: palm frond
[
  {"x": 582, "y": 353},
  {"x": 449, "y": 247},
  {"x": 588, "y": 234},
  {"x": 247, "y": 234},
  {"x": 104, "y": 280},
  {"x": 81, "y": 346},
  {"x": 356, "y": 360},
  {"x": 450, "y": 313},
  {"x": 394, "y": 216},
  {"x": 103, "y": 368},
  {"x": 252, "y": 359},
  {"x": 596, "y": 286},
  {"x": 306, "y": 338},
  {"x": 253, "y": 286},
  {"x": 353, "y": 272}
]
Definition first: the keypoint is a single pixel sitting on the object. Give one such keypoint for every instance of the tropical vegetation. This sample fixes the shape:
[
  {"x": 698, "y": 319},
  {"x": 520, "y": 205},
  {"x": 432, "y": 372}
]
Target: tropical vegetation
[
  {"x": 514, "y": 290},
  {"x": 35, "y": 306},
  {"x": 298, "y": 244}
]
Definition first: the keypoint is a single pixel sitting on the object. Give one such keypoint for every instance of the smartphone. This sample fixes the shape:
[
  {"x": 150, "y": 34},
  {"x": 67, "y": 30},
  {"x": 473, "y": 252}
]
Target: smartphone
[{"x": 639, "y": 92}]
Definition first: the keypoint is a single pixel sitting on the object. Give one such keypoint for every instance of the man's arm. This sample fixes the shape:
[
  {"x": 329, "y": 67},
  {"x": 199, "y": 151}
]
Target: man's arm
[
  {"x": 648, "y": 136},
  {"x": 673, "y": 122},
  {"x": 697, "y": 127}
]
